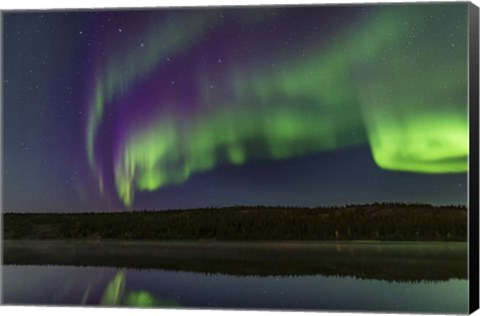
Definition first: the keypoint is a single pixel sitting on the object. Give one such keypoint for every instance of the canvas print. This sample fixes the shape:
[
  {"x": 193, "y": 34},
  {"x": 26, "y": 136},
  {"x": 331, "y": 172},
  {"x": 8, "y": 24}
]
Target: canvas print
[{"x": 268, "y": 157}]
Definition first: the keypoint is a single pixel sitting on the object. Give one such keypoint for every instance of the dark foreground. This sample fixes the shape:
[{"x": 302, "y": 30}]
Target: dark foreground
[
  {"x": 389, "y": 261},
  {"x": 343, "y": 276},
  {"x": 394, "y": 222}
]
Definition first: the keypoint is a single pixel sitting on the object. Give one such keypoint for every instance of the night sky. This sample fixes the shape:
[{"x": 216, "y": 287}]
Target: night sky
[{"x": 300, "y": 106}]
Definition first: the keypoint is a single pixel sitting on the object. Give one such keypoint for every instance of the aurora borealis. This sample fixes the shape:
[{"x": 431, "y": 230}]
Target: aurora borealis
[{"x": 177, "y": 108}]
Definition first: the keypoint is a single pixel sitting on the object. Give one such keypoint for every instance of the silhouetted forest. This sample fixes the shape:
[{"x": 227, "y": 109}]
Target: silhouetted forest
[{"x": 379, "y": 221}]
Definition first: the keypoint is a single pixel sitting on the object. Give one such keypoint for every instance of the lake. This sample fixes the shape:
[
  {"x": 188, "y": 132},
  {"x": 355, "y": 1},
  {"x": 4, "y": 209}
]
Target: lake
[{"x": 347, "y": 276}]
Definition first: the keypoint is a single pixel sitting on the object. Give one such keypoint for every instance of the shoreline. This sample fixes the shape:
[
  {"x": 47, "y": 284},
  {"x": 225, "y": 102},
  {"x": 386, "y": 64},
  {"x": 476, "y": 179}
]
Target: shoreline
[
  {"x": 242, "y": 242},
  {"x": 411, "y": 261}
]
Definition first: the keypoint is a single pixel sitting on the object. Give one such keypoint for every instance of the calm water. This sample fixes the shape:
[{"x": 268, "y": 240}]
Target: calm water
[{"x": 341, "y": 279}]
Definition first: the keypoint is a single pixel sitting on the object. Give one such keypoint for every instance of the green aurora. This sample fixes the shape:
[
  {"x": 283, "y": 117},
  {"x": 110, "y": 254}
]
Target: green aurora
[
  {"x": 115, "y": 295},
  {"x": 395, "y": 79}
]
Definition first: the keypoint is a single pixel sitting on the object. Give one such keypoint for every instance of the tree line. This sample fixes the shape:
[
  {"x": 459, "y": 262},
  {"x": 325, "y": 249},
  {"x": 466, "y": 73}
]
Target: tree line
[{"x": 378, "y": 221}]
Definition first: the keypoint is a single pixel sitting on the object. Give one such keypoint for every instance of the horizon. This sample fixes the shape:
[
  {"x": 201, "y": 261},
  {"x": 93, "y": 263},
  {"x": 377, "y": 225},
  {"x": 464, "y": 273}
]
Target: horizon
[{"x": 324, "y": 207}]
